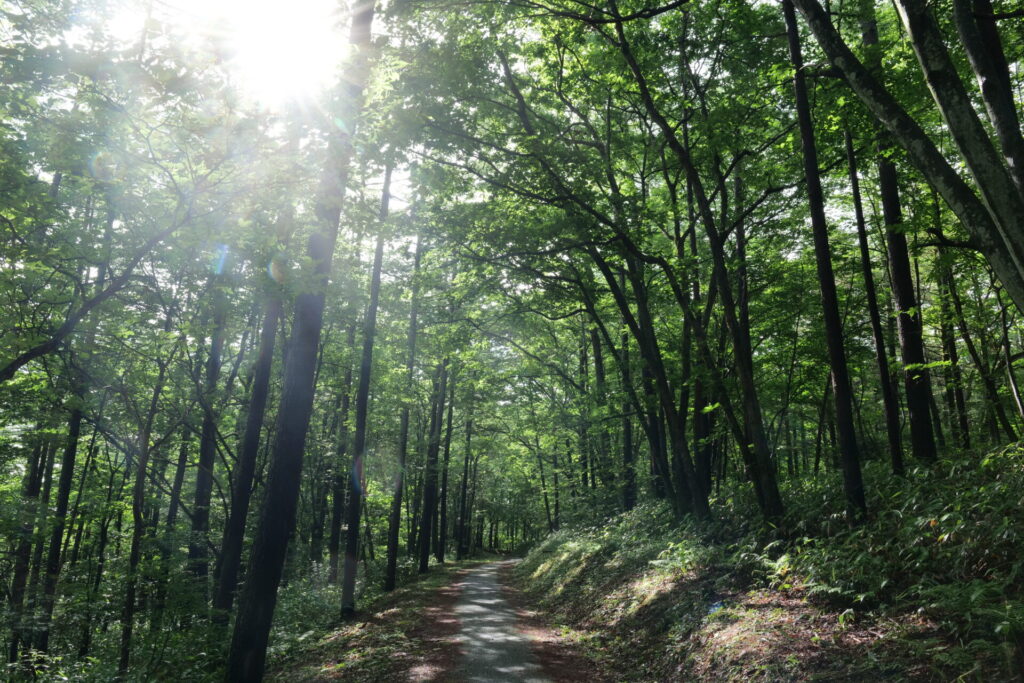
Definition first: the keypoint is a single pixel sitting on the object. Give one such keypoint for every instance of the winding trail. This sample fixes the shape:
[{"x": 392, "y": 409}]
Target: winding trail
[{"x": 494, "y": 650}]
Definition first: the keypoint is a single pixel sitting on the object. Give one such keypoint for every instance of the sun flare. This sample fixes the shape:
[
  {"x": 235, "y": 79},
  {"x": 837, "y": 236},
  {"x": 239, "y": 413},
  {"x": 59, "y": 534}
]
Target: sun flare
[{"x": 276, "y": 53}]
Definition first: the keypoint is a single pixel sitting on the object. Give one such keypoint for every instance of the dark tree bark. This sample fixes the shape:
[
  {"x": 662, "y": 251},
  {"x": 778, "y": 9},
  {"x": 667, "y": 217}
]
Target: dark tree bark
[
  {"x": 849, "y": 455},
  {"x": 340, "y": 478},
  {"x": 995, "y": 223},
  {"x": 31, "y": 485},
  {"x": 42, "y": 516},
  {"x": 954, "y": 377},
  {"x": 53, "y": 555},
  {"x": 442, "y": 527},
  {"x": 586, "y": 466},
  {"x": 144, "y": 449},
  {"x": 890, "y": 403},
  {"x": 95, "y": 578},
  {"x": 355, "y": 490},
  {"x": 247, "y": 654},
  {"x": 601, "y": 397},
  {"x": 759, "y": 457},
  {"x": 628, "y": 468},
  {"x": 980, "y": 38},
  {"x": 916, "y": 378},
  {"x": 987, "y": 382},
  {"x": 395, "y": 518},
  {"x": 1011, "y": 376},
  {"x": 462, "y": 524},
  {"x": 430, "y": 469},
  {"x": 166, "y": 546},
  {"x": 417, "y": 492},
  {"x": 198, "y": 555},
  {"x": 245, "y": 468}
]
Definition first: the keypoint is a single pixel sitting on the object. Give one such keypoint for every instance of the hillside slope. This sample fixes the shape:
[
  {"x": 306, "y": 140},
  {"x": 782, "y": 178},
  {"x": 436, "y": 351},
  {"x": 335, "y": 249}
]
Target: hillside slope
[{"x": 929, "y": 589}]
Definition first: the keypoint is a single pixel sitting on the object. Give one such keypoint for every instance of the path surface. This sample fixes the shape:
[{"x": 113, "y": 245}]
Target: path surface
[{"x": 494, "y": 650}]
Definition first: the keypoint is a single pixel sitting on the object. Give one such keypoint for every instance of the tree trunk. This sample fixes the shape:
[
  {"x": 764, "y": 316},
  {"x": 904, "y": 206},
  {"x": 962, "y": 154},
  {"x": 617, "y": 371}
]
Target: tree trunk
[
  {"x": 628, "y": 467},
  {"x": 53, "y": 555},
  {"x": 991, "y": 392},
  {"x": 355, "y": 491},
  {"x": 601, "y": 387},
  {"x": 340, "y": 479},
  {"x": 984, "y": 47},
  {"x": 395, "y": 518},
  {"x": 994, "y": 225},
  {"x": 850, "y": 457},
  {"x": 461, "y": 525},
  {"x": 247, "y": 653},
  {"x": 890, "y": 403},
  {"x": 1011, "y": 376},
  {"x": 198, "y": 555},
  {"x": 31, "y": 484},
  {"x": 167, "y": 547},
  {"x": 759, "y": 458},
  {"x": 430, "y": 470},
  {"x": 138, "y": 517},
  {"x": 245, "y": 468},
  {"x": 442, "y": 527}
]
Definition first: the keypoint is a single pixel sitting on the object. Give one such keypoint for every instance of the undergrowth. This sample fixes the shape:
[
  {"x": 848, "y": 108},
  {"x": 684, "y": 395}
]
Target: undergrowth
[{"x": 928, "y": 588}]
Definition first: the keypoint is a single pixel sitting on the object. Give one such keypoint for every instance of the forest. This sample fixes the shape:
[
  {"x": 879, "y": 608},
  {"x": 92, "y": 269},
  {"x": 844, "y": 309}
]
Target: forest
[{"x": 711, "y": 310}]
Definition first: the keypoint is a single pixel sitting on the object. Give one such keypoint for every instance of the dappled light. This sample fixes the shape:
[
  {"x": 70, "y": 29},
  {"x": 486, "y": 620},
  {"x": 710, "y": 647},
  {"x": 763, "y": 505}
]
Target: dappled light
[{"x": 511, "y": 340}]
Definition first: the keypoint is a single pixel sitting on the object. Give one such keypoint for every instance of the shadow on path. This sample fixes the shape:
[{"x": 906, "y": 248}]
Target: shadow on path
[{"x": 494, "y": 650}]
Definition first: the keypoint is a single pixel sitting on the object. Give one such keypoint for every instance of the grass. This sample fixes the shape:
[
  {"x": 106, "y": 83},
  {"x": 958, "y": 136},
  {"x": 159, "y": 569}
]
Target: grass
[
  {"x": 386, "y": 641},
  {"x": 929, "y": 589}
]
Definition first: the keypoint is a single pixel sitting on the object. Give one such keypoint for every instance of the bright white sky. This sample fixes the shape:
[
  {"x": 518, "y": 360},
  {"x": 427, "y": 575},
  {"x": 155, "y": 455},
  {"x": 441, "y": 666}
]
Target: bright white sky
[{"x": 278, "y": 52}]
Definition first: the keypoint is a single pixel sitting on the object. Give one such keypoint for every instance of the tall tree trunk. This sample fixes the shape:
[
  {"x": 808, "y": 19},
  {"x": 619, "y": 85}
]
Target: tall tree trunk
[
  {"x": 417, "y": 495},
  {"x": 995, "y": 223},
  {"x": 42, "y": 517},
  {"x": 198, "y": 554},
  {"x": 94, "y": 581},
  {"x": 355, "y": 491},
  {"x": 628, "y": 467},
  {"x": 442, "y": 527},
  {"x": 849, "y": 455},
  {"x": 890, "y": 403},
  {"x": 138, "y": 516},
  {"x": 601, "y": 396},
  {"x": 53, "y": 555},
  {"x": 916, "y": 378},
  {"x": 471, "y": 506},
  {"x": 247, "y": 654},
  {"x": 758, "y": 458},
  {"x": 340, "y": 479},
  {"x": 395, "y": 518},
  {"x": 586, "y": 466},
  {"x": 1011, "y": 376},
  {"x": 987, "y": 382},
  {"x": 167, "y": 545},
  {"x": 245, "y": 468},
  {"x": 430, "y": 470},
  {"x": 31, "y": 484},
  {"x": 461, "y": 525},
  {"x": 979, "y": 35}
]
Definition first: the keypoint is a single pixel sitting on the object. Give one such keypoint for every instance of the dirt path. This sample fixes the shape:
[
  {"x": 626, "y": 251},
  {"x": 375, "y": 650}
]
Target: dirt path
[{"x": 494, "y": 649}]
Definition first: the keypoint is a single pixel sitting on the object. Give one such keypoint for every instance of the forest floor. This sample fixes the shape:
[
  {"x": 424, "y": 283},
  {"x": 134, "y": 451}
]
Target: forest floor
[
  {"x": 646, "y": 604},
  {"x": 462, "y": 622},
  {"x": 928, "y": 589}
]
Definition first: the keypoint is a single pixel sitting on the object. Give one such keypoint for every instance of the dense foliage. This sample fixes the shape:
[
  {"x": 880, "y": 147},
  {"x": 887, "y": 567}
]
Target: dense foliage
[{"x": 270, "y": 348}]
